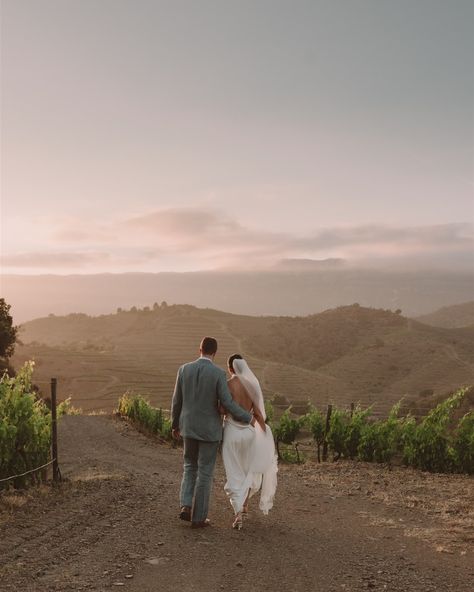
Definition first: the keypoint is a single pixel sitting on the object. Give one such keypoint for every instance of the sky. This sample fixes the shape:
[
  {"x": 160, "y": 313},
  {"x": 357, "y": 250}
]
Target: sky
[{"x": 151, "y": 135}]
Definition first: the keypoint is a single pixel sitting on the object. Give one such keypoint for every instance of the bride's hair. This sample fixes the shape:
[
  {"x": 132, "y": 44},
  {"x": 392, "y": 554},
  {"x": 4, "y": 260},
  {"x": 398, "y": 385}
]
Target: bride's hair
[{"x": 230, "y": 361}]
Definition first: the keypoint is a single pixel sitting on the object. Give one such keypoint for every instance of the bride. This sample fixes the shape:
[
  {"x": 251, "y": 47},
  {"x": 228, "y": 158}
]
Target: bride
[{"x": 248, "y": 452}]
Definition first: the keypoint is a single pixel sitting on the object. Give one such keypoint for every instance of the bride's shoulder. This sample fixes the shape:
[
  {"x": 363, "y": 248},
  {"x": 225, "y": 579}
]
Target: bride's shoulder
[{"x": 233, "y": 383}]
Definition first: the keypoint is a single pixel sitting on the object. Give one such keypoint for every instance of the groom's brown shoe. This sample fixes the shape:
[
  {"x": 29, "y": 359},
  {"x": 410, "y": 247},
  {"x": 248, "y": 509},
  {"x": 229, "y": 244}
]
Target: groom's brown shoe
[
  {"x": 185, "y": 513},
  {"x": 201, "y": 524}
]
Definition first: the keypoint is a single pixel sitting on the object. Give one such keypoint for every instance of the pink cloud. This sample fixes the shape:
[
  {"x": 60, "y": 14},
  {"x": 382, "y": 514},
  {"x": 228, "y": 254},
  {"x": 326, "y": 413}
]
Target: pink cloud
[{"x": 207, "y": 238}]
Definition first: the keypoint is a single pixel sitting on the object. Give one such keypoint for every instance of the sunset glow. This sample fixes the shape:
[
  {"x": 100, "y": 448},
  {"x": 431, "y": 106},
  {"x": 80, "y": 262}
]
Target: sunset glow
[{"x": 233, "y": 143}]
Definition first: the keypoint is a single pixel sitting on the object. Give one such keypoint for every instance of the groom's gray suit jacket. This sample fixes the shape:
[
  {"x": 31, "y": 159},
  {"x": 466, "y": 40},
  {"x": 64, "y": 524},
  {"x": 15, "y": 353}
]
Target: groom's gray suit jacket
[{"x": 200, "y": 387}]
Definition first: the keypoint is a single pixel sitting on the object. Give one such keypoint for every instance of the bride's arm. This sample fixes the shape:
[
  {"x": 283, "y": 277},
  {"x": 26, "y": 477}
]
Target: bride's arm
[{"x": 259, "y": 417}]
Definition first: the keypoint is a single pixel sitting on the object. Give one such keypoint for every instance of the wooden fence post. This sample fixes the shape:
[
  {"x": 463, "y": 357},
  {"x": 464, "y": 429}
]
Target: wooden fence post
[
  {"x": 326, "y": 431},
  {"x": 54, "y": 431},
  {"x": 352, "y": 409}
]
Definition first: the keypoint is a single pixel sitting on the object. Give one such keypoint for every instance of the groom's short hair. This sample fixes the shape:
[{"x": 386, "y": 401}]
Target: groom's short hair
[{"x": 208, "y": 346}]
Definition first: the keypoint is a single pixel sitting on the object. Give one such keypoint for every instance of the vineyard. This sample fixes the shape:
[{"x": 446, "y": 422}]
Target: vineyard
[{"x": 436, "y": 443}]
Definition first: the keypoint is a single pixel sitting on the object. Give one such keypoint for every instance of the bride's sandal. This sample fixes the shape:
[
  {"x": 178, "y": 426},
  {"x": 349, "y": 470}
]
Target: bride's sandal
[{"x": 237, "y": 524}]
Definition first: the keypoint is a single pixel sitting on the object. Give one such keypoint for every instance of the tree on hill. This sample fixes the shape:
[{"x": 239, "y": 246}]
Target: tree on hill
[{"x": 8, "y": 332}]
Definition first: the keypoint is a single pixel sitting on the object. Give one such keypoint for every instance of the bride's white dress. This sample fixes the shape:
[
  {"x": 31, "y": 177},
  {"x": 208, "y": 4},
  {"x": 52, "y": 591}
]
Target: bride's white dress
[{"x": 248, "y": 452}]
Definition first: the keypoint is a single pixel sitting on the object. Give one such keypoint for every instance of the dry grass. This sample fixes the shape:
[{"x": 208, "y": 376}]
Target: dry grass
[
  {"x": 444, "y": 502},
  {"x": 13, "y": 500}
]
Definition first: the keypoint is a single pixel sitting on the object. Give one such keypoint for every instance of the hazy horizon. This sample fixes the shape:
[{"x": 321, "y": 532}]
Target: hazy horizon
[
  {"x": 153, "y": 136},
  {"x": 275, "y": 293}
]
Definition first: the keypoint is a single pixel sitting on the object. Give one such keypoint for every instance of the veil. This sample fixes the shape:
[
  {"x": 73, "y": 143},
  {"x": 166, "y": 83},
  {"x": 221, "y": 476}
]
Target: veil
[{"x": 250, "y": 383}]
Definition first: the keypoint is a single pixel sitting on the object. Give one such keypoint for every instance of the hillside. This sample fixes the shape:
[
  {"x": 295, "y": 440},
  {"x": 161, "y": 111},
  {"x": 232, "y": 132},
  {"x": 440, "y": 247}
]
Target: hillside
[
  {"x": 342, "y": 355},
  {"x": 451, "y": 317}
]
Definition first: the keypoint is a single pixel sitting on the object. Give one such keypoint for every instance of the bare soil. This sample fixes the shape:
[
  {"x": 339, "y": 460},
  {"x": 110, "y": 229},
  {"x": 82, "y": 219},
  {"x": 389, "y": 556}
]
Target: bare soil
[{"x": 338, "y": 526}]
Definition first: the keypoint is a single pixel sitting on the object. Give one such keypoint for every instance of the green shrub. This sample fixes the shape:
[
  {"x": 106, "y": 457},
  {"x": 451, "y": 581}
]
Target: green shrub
[
  {"x": 338, "y": 432},
  {"x": 140, "y": 411},
  {"x": 354, "y": 429},
  {"x": 407, "y": 440},
  {"x": 25, "y": 428},
  {"x": 389, "y": 434},
  {"x": 286, "y": 429},
  {"x": 368, "y": 442},
  {"x": 316, "y": 424},
  {"x": 291, "y": 454},
  {"x": 430, "y": 446},
  {"x": 67, "y": 408},
  {"x": 463, "y": 444},
  {"x": 270, "y": 412}
]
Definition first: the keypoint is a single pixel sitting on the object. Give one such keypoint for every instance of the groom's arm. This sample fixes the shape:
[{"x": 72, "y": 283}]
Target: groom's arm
[
  {"x": 229, "y": 404},
  {"x": 176, "y": 405}
]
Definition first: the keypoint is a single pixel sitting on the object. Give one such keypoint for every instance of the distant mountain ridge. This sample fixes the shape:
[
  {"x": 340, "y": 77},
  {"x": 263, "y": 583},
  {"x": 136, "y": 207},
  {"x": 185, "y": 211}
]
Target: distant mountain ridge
[
  {"x": 292, "y": 291},
  {"x": 343, "y": 355},
  {"x": 309, "y": 264},
  {"x": 451, "y": 317}
]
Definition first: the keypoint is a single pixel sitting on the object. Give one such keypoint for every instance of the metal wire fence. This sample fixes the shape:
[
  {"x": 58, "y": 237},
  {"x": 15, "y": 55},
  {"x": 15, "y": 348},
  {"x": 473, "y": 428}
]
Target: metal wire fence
[{"x": 28, "y": 472}]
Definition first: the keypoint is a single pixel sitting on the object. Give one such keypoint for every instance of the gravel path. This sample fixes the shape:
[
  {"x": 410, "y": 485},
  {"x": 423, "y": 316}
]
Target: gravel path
[{"x": 112, "y": 524}]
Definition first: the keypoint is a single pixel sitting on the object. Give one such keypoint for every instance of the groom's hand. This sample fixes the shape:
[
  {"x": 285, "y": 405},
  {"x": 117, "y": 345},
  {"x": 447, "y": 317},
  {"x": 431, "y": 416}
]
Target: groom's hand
[
  {"x": 175, "y": 433},
  {"x": 261, "y": 422}
]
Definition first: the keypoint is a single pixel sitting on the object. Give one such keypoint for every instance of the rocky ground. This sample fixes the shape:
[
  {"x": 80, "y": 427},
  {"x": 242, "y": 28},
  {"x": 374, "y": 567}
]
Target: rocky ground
[{"x": 341, "y": 526}]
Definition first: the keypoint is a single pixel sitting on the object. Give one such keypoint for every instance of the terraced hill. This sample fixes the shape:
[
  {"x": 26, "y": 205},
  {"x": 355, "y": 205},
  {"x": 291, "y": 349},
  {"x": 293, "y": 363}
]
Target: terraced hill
[
  {"x": 451, "y": 317},
  {"x": 343, "y": 355}
]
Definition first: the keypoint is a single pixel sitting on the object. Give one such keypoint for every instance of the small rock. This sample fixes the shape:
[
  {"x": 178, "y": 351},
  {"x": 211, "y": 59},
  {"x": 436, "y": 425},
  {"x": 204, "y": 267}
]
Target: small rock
[
  {"x": 239, "y": 564},
  {"x": 129, "y": 576},
  {"x": 157, "y": 560}
]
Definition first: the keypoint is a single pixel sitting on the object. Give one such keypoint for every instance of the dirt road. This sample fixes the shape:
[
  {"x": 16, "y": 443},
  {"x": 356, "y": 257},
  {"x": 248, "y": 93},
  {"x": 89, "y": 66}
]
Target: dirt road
[{"x": 342, "y": 526}]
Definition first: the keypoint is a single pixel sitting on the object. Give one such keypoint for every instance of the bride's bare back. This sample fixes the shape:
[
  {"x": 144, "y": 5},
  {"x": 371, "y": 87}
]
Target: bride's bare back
[{"x": 239, "y": 394}]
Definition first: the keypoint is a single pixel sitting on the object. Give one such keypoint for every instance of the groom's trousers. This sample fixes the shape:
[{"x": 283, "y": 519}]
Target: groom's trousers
[{"x": 199, "y": 462}]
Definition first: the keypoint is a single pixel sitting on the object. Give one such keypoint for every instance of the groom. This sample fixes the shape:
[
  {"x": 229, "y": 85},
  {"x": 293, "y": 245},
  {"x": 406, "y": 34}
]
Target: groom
[{"x": 200, "y": 387}]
